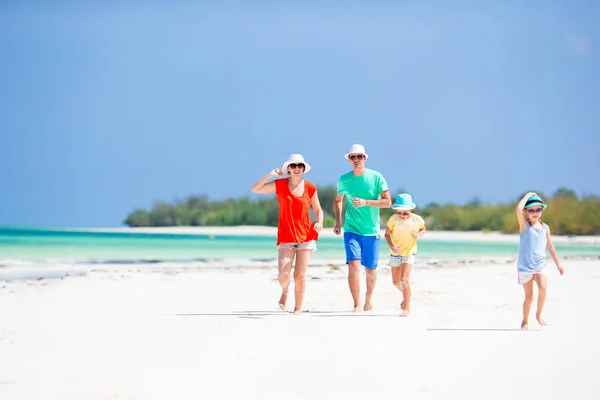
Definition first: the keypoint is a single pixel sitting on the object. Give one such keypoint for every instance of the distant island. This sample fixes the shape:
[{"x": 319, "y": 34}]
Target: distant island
[{"x": 567, "y": 214}]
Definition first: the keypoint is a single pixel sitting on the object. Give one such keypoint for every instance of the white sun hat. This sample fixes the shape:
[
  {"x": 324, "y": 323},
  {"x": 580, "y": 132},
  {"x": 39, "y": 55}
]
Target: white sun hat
[
  {"x": 295, "y": 159},
  {"x": 357, "y": 149}
]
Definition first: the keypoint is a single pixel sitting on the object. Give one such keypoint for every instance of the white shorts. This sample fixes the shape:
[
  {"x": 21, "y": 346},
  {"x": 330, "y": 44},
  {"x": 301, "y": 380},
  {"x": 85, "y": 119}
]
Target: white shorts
[
  {"x": 396, "y": 261},
  {"x": 525, "y": 276},
  {"x": 310, "y": 245}
]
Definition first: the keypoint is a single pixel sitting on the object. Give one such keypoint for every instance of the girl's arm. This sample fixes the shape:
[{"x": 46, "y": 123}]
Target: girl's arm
[
  {"x": 519, "y": 211},
  {"x": 316, "y": 205},
  {"x": 421, "y": 232},
  {"x": 388, "y": 239},
  {"x": 552, "y": 250},
  {"x": 262, "y": 187}
]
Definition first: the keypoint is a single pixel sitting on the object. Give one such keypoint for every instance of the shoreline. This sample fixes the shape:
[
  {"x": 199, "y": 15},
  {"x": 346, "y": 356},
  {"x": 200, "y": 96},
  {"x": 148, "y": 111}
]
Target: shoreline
[{"x": 249, "y": 230}]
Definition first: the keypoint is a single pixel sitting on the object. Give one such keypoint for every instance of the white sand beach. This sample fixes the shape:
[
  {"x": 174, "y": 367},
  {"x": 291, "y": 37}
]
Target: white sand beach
[
  {"x": 189, "y": 333},
  {"x": 474, "y": 236}
]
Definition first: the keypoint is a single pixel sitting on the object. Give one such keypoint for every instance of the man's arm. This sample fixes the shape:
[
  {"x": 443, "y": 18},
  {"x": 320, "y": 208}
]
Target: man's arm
[
  {"x": 384, "y": 202},
  {"x": 337, "y": 211}
]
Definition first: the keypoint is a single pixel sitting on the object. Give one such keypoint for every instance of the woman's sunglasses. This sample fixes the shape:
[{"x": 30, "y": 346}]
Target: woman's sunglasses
[
  {"x": 534, "y": 211},
  {"x": 357, "y": 157},
  {"x": 294, "y": 165}
]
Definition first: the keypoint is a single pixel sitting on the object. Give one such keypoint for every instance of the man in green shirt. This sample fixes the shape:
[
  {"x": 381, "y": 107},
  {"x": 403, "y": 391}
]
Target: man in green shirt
[{"x": 366, "y": 191}]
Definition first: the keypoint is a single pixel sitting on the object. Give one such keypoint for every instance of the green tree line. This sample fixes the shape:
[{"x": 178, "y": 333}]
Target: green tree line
[{"x": 567, "y": 214}]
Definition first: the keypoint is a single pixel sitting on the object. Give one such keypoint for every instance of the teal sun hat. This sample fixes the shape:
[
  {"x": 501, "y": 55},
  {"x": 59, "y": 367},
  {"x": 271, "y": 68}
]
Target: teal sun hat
[
  {"x": 535, "y": 200},
  {"x": 404, "y": 202}
]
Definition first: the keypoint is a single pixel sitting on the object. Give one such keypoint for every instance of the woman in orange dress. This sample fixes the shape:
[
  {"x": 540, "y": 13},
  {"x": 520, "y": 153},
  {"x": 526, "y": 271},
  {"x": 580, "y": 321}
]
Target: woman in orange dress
[{"x": 297, "y": 235}]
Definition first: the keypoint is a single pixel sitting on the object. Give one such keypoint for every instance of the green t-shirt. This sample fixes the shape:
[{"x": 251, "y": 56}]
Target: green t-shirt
[{"x": 363, "y": 220}]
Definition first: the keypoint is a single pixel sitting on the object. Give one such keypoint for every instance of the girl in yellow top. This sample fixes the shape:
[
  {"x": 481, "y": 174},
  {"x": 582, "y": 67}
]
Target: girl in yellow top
[{"x": 403, "y": 230}]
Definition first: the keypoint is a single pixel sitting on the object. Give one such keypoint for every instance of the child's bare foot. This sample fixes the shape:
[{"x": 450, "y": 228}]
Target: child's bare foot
[
  {"x": 402, "y": 305},
  {"x": 405, "y": 313},
  {"x": 356, "y": 308},
  {"x": 368, "y": 307},
  {"x": 282, "y": 301},
  {"x": 524, "y": 325},
  {"x": 541, "y": 320},
  {"x": 297, "y": 312}
]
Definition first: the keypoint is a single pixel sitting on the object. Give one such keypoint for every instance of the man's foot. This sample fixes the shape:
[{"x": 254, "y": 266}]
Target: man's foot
[
  {"x": 405, "y": 313},
  {"x": 524, "y": 325},
  {"x": 541, "y": 320}
]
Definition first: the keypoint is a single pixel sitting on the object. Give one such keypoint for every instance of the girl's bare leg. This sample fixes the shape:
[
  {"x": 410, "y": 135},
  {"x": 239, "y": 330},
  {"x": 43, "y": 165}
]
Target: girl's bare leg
[
  {"x": 302, "y": 257},
  {"x": 542, "y": 283},
  {"x": 397, "y": 281},
  {"x": 285, "y": 259},
  {"x": 406, "y": 290},
  {"x": 401, "y": 279},
  {"x": 528, "y": 287}
]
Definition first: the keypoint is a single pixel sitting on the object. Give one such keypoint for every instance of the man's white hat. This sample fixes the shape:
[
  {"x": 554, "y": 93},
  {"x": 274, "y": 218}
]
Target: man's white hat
[
  {"x": 295, "y": 159},
  {"x": 357, "y": 149}
]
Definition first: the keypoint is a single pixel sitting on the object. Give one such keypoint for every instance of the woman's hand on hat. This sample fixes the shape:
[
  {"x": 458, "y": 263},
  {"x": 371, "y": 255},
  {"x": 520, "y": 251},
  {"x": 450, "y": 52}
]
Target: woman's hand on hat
[
  {"x": 318, "y": 226},
  {"x": 358, "y": 202},
  {"x": 276, "y": 172}
]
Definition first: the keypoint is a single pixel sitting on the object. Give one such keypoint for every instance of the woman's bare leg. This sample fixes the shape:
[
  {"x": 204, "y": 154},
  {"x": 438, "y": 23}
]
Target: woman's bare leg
[
  {"x": 284, "y": 263},
  {"x": 528, "y": 287},
  {"x": 302, "y": 257},
  {"x": 542, "y": 283}
]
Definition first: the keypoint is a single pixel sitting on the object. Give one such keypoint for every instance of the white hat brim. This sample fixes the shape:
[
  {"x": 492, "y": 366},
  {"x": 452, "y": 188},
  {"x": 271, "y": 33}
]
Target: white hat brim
[
  {"x": 307, "y": 166},
  {"x": 348, "y": 155}
]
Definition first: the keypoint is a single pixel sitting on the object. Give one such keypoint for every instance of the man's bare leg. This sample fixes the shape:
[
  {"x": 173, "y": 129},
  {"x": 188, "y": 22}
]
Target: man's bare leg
[
  {"x": 542, "y": 284},
  {"x": 354, "y": 282},
  {"x": 302, "y": 257},
  {"x": 371, "y": 281},
  {"x": 284, "y": 264},
  {"x": 528, "y": 287}
]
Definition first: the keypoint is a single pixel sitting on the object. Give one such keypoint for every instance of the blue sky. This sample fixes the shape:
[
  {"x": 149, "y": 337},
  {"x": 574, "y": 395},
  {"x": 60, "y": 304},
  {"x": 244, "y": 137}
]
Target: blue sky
[{"x": 109, "y": 106}]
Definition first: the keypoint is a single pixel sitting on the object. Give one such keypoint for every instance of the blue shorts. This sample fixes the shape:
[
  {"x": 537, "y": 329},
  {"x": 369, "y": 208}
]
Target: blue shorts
[{"x": 363, "y": 248}]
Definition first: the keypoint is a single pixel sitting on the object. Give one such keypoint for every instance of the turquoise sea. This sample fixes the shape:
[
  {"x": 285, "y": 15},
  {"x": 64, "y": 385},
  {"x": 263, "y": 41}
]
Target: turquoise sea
[{"x": 44, "y": 246}]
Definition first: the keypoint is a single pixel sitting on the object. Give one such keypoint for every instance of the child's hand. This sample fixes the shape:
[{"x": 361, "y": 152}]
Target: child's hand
[
  {"x": 416, "y": 235},
  {"x": 395, "y": 249},
  {"x": 561, "y": 269}
]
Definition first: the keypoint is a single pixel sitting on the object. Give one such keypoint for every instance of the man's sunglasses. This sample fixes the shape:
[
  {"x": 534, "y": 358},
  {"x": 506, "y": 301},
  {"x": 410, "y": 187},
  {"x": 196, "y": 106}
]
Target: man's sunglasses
[
  {"x": 356, "y": 157},
  {"x": 534, "y": 211},
  {"x": 294, "y": 165}
]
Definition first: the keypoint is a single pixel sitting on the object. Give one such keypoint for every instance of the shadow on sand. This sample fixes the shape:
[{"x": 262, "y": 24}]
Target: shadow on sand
[
  {"x": 256, "y": 314},
  {"x": 481, "y": 330}
]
